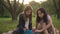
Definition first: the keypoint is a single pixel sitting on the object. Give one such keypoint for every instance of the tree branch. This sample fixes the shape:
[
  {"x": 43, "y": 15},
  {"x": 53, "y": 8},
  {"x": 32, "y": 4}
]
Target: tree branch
[
  {"x": 9, "y": 4},
  {"x": 4, "y": 5},
  {"x": 21, "y": 8},
  {"x": 7, "y": 7},
  {"x": 15, "y": 5}
]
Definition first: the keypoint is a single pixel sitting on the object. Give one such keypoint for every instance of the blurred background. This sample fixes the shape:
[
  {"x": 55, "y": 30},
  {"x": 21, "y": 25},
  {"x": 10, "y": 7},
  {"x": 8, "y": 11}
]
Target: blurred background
[{"x": 11, "y": 9}]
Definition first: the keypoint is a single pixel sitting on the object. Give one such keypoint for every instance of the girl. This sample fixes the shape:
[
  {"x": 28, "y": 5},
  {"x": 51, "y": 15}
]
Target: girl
[
  {"x": 25, "y": 22},
  {"x": 45, "y": 22}
]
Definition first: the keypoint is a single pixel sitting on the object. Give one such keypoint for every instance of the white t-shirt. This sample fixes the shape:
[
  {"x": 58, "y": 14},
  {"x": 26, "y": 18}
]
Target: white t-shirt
[{"x": 27, "y": 23}]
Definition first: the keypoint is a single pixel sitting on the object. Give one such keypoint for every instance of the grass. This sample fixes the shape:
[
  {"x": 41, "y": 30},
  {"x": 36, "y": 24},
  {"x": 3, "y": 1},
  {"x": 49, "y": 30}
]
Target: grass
[
  {"x": 56, "y": 23},
  {"x": 6, "y": 24}
]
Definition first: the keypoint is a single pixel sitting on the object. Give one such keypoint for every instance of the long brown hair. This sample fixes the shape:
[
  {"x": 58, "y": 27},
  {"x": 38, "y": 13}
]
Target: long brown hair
[
  {"x": 38, "y": 19},
  {"x": 30, "y": 16}
]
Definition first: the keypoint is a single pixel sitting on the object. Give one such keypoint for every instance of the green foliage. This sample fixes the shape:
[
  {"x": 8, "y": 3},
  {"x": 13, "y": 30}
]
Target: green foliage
[
  {"x": 35, "y": 6},
  {"x": 48, "y": 5},
  {"x": 4, "y": 12}
]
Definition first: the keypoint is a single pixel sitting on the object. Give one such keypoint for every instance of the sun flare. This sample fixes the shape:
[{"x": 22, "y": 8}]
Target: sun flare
[{"x": 27, "y": 1}]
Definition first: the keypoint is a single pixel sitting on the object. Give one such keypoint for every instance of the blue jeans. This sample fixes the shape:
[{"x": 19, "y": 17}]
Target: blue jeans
[{"x": 28, "y": 32}]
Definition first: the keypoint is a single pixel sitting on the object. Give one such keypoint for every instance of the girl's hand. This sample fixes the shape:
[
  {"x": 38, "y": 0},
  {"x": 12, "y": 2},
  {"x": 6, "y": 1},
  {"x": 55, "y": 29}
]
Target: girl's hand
[
  {"x": 26, "y": 28},
  {"x": 33, "y": 29},
  {"x": 38, "y": 30}
]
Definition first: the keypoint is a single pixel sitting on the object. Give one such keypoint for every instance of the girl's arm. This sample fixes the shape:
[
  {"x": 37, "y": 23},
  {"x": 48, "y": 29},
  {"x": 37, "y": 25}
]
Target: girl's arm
[
  {"x": 52, "y": 26},
  {"x": 43, "y": 26},
  {"x": 20, "y": 24},
  {"x": 47, "y": 26},
  {"x": 49, "y": 23}
]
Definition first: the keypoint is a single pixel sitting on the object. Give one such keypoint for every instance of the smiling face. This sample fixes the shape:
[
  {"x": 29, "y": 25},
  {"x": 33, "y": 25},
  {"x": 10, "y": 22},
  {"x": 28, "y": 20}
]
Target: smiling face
[
  {"x": 28, "y": 12},
  {"x": 40, "y": 14}
]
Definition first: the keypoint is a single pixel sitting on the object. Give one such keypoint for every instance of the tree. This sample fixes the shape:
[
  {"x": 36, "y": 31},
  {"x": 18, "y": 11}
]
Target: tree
[
  {"x": 57, "y": 7},
  {"x": 35, "y": 6},
  {"x": 13, "y": 9},
  {"x": 49, "y": 7},
  {"x": 1, "y": 9}
]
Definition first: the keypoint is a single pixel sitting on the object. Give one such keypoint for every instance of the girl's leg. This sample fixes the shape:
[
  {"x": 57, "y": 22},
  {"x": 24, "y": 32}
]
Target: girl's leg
[
  {"x": 53, "y": 30},
  {"x": 43, "y": 26},
  {"x": 57, "y": 31},
  {"x": 46, "y": 32},
  {"x": 39, "y": 27}
]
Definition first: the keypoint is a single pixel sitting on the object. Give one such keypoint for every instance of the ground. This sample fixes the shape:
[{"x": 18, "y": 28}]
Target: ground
[{"x": 6, "y": 24}]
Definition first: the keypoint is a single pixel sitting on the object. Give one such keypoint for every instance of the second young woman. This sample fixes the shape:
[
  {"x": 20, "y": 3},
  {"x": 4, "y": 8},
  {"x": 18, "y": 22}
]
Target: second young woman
[{"x": 45, "y": 21}]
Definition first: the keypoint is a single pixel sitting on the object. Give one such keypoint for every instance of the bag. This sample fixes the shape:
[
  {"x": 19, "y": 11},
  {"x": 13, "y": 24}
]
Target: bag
[{"x": 28, "y": 32}]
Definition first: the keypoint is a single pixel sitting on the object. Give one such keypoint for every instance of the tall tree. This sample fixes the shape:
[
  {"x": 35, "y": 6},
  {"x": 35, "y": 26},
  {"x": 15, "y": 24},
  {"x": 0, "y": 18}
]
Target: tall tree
[
  {"x": 1, "y": 9},
  {"x": 49, "y": 7},
  {"x": 57, "y": 7},
  {"x": 13, "y": 9}
]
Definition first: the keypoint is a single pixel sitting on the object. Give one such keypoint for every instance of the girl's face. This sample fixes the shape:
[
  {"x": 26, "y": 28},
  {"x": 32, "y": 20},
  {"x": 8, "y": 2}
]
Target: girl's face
[
  {"x": 28, "y": 12},
  {"x": 40, "y": 14}
]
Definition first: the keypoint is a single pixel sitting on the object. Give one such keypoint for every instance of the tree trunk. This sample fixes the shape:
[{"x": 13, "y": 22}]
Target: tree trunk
[
  {"x": 13, "y": 9},
  {"x": 58, "y": 14},
  {"x": 57, "y": 7},
  {"x": 1, "y": 9},
  {"x": 14, "y": 17}
]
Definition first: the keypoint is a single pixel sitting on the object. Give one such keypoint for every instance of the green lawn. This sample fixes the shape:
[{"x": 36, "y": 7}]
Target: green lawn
[{"x": 6, "y": 24}]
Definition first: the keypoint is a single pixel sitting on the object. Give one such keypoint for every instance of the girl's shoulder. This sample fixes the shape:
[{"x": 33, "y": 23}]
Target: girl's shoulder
[
  {"x": 48, "y": 16},
  {"x": 21, "y": 15}
]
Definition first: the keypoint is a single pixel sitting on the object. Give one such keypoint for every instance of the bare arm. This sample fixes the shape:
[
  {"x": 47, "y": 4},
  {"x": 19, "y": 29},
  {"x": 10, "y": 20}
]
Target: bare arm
[
  {"x": 47, "y": 26},
  {"x": 43, "y": 25},
  {"x": 49, "y": 23}
]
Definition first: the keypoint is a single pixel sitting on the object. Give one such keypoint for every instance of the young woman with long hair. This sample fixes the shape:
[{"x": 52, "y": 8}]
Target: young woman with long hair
[
  {"x": 25, "y": 21},
  {"x": 45, "y": 22}
]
